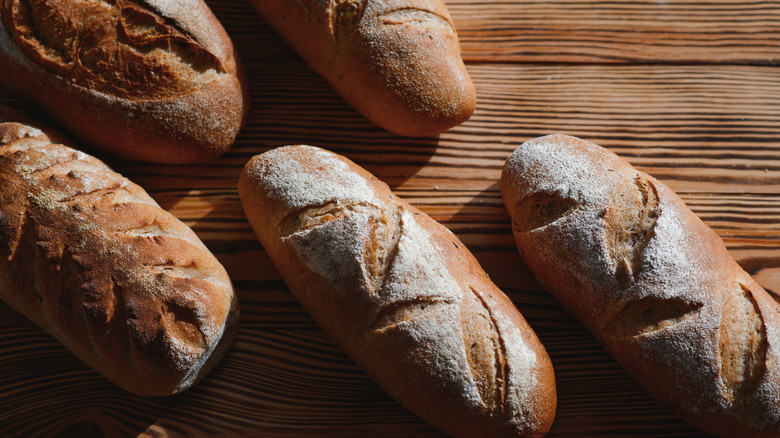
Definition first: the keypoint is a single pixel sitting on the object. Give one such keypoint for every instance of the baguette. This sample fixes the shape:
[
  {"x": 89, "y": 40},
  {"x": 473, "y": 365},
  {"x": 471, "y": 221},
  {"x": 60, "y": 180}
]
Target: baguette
[
  {"x": 149, "y": 80},
  {"x": 400, "y": 294},
  {"x": 89, "y": 257},
  {"x": 622, "y": 253},
  {"x": 397, "y": 62}
]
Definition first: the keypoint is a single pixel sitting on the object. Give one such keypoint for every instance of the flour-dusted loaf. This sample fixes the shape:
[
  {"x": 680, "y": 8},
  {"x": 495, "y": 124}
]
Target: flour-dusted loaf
[
  {"x": 400, "y": 294},
  {"x": 654, "y": 284},
  {"x": 397, "y": 62},
  {"x": 150, "y": 80},
  {"x": 93, "y": 260}
]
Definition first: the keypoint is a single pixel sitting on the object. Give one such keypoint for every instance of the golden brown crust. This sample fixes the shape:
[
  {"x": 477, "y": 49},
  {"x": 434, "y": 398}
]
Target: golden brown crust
[
  {"x": 397, "y": 62},
  {"x": 656, "y": 286},
  {"x": 134, "y": 78},
  {"x": 400, "y": 294},
  {"x": 91, "y": 258}
]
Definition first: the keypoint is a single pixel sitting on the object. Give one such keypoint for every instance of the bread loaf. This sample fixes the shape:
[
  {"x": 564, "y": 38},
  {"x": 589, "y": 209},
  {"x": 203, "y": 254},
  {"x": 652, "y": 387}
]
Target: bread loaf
[
  {"x": 93, "y": 260},
  {"x": 397, "y": 62},
  {"x": 654, "y": 284},
  {"x": 153, "y": 80},
  {"x": 400, "y": 294}
]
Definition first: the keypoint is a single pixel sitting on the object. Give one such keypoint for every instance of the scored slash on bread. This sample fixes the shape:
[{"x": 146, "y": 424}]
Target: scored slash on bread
[
  {"x": 149, "y": 80},
  {"x": 400, "y": 294},
  {"x": 654, "y": 284},
  {"x": 397, "y": 62},
  {"x": 93, "y": 260}
]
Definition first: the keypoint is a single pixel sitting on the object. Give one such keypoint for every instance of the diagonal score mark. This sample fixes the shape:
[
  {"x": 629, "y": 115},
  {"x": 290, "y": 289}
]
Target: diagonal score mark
[
  {"x": 649, "y": 314},
  {"x": 742, "y": 346},
  {"x": 629, "y": 223},
  {"x": 541, "y": 209},
  {"x": 398, "y": 312},
  {"x": 25, "y": 227},
  {"x": 487, "y": 360},
  {"x": 312, "y": 216},
  {"x": 420, "y": 16},
  {"x": 106, "y": 190},
  {"x": 379, "y": 258},
  {"x": 381, "y": 248},
  {"x": 352, "y": 240},
  {"x": 142, "y": 46},
  {"x": 345, "y": 15},
  {"x": 146, "y": 29}
]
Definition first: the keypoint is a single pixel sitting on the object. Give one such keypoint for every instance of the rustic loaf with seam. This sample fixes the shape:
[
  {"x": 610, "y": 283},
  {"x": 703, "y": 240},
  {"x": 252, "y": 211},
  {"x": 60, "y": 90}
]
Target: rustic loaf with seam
[
  {"x": 397, "y": 62},
  {"x": 88, "y": 256},
  {"x": 653, "y": 283},
  {"x": 150, "y": 80},
  {"x": 400, "y": 294}
]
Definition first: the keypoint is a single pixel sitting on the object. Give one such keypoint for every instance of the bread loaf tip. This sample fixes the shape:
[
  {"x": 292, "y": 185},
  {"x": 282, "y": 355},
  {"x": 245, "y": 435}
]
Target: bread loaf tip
[{"x": 398, "y": 63}]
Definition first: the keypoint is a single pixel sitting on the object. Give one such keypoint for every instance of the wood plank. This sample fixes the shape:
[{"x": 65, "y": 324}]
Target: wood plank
[
  {"x": 699, "y": 128},
  {"x": 284, "y": 378},
  {"x": 635, "y": 31},
  {"x": 578, "y": 31}
]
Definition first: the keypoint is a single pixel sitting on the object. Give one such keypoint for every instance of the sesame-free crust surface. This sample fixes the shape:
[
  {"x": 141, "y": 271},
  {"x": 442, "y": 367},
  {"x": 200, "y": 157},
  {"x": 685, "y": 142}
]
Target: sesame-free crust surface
[{"x": 688, "y": 93}]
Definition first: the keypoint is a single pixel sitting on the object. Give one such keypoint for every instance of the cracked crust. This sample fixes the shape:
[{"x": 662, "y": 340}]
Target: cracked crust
[
  {"x": 651, "y": 281},
  {"x": 150, "y": 57},
  {"x": 400, "y": 294},
  {"x": 397, "y": 62},
  {"x": 150, "y": 80},
  {"x": 90, "y": 257}
]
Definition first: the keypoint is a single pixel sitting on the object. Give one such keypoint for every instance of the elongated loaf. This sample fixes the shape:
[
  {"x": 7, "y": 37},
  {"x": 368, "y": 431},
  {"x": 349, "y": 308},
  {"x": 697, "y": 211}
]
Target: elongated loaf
[
  {"x": 92, "y": 259},
  {"x": 397, "y": 62},
  {"x": 400, "y": 294},
  {"x": 654, "y": 284},
  {"x": 151, "y": 80}
]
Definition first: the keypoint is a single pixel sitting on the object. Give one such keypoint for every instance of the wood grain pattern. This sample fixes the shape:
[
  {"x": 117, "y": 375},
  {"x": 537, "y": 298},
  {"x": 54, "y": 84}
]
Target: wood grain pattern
[
  {"x": 628, "y": 31},
  {"x": 686, "y": 91},
  {"x": 583, "y": 31}
]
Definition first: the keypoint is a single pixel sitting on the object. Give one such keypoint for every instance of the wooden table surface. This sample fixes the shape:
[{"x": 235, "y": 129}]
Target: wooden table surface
[{"x": 688, "y": 91}]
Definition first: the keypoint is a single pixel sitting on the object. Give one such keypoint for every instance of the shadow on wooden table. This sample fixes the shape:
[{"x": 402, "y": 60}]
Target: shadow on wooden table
[{"x": 282, "y": 377}]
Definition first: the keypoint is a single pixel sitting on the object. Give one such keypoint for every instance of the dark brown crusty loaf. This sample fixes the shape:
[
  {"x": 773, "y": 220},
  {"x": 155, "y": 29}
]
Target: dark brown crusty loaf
[
  {"x": 93, "y": 260},
  {"x": 397, "y": 62},
  {"x": 400, "y": 294},
  {"x": 150, "y": 80},
  {"x": 654, "y": 284}
]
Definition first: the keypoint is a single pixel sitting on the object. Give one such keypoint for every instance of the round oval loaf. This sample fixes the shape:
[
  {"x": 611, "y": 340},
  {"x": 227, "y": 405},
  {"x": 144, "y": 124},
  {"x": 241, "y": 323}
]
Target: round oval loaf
[
  {"x": 655, "y": 285},
  {"x": 400, "y": 294},
  {"x": 149, "y": 80},
  {"x": 93, "y": 260},
  {"x": 397, "y": 62}
]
